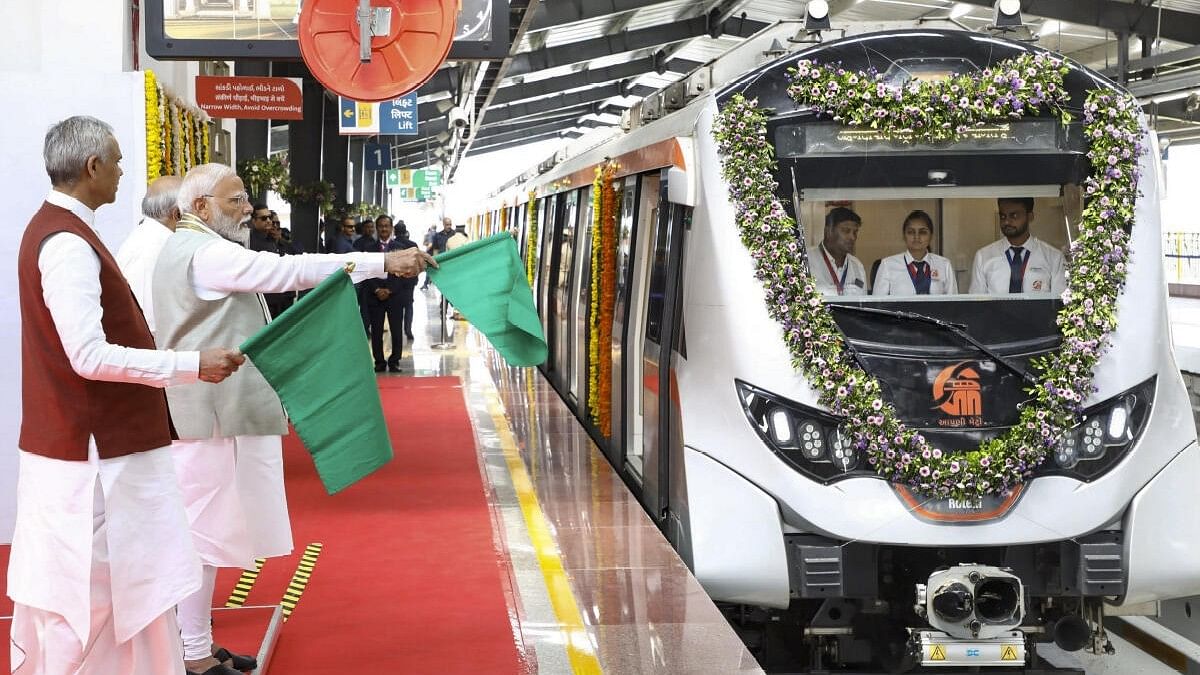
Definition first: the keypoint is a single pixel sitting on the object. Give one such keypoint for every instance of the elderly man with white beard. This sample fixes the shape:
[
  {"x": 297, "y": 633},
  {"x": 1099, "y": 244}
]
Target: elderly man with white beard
[{"x": 229, "y": 457}]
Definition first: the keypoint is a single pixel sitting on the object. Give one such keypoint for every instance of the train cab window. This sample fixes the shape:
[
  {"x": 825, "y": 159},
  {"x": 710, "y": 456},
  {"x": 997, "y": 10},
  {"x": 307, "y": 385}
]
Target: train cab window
[{"x": 926, "y": 245}]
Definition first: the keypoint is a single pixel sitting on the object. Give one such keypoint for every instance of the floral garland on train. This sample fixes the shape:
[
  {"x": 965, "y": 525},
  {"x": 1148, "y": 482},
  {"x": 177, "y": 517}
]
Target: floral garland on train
[
  {"x": 531, "y": 241},
  {"x": 602, "y": 294},
  {"x": 176, "y": 135},
  {"x": 933, "y": 112}
]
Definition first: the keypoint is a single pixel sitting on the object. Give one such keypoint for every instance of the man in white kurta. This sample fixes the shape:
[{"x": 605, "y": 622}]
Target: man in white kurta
[
  {"x": 1020, "y": 262},
  {"x": 229, "y": 458},
  {"x": 139, "y": 251},
  {"x": 98, "y": 561}
]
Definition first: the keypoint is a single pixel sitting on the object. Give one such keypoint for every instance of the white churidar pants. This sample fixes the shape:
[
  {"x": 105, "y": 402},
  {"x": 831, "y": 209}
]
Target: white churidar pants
[{"x": 43, "y": 643}]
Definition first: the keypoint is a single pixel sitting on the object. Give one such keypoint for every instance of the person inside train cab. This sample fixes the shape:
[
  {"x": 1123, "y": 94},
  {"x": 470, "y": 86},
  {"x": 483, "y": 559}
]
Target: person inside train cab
[
  {"x": 1020, "y": 262},
  {"x": 833, "y": 264},
  {"x": 916, "y": 271}
]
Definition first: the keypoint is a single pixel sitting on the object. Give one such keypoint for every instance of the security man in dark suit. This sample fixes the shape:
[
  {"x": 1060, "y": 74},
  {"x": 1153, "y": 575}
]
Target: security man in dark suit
[{"x": 391, "y": 297}]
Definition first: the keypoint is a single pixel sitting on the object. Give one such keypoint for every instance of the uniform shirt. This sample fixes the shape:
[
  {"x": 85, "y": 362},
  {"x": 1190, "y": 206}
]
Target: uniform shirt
[
  {"x": 893, "y": 277},
  {"x": 1045, "y": 270},
  {"x": 136, "y": 258},
  {"x": 153, "y": 564},
  {"x": 851, "y": 269}
]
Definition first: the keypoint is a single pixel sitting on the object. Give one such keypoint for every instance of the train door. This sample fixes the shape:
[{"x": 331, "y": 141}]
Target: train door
[
  {"x": 549, "y": 252},
  {"x": 638, "y": 258},
  {"x": 580, "y": 307},
  {"x": 626, "y": 233},
  {"x": 565, "y": 243},
  {"x": 659, "y": 340}
]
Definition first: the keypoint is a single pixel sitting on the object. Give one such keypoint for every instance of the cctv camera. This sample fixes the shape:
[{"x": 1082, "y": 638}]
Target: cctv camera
[{"x": 457, "y": 117}]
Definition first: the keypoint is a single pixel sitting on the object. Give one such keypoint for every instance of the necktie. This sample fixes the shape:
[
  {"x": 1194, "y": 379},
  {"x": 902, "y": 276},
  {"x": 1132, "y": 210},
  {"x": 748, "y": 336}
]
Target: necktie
[
  {"x": 1017, "y": 257},
  {"x": 383, "y": 247},
  {"x": 919, "y": 272}
]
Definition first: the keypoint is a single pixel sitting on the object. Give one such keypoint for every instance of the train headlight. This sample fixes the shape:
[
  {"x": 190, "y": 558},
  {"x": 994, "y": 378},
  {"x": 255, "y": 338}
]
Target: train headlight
[
  {"x": 810, "y": 440},
  {"x": 1105, "y": 433}
]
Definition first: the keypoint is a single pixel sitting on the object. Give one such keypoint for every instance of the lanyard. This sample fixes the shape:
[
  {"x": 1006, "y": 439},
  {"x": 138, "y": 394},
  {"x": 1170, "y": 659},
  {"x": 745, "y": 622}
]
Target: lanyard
[{"x": 839, "y": 283}]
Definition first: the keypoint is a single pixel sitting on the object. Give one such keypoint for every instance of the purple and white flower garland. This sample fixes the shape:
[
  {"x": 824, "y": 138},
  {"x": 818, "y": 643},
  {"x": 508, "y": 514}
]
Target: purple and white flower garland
[{"x": 941, "y": 111}]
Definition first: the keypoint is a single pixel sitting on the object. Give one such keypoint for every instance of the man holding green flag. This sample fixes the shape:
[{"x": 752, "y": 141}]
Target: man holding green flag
[{"x": 229, "y": 456}]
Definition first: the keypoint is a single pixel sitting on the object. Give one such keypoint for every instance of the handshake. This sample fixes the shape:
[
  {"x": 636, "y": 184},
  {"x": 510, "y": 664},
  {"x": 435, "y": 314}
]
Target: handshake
[{"x": 218, "y": 364}]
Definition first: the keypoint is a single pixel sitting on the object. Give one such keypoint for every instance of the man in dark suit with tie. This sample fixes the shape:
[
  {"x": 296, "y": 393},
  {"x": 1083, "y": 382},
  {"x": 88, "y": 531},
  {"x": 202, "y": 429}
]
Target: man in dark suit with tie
[{"x": 391, "y": 298}]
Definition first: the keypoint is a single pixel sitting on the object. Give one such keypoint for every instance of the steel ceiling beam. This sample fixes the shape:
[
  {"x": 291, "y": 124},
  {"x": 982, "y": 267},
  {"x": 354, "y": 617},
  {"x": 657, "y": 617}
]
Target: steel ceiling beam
[
  {"x": 642, "y": 38},
  {"x": 562, "y": 101},
  {"x": 520, "y": 16},
  {"x": 574, "y": 112},
  {"x": 1116, "y": 16},
  {"x": 1163, "y": 60},
  {"x": 559, "y": 12},
  {"x": 485, "y": 139},
  {"x": 583, "y": 78},
  {"x": 520, "y": 142}
]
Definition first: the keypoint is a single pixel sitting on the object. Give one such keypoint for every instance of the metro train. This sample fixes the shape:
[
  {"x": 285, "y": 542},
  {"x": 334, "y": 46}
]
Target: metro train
[{"x": 724, "y": 440}]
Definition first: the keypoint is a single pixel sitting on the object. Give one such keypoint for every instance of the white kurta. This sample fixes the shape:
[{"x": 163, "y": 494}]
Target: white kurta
[
  {"x": 893, "y": 277},
  {"x": 851, "y": 269},
  {"x": 1045, "y": 271},
  {"x": 233, "y": 486},
  {"x": 151, "y": 562},
  {"x": 136, "y": 259}
]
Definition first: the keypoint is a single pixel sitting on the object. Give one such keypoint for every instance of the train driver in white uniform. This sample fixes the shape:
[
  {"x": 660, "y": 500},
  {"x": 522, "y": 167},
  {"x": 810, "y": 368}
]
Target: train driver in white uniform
[
  {"x": 917, "y": 270},
  {"x": 1018, "y": 263},
  {"x": 833, "y": 264}
]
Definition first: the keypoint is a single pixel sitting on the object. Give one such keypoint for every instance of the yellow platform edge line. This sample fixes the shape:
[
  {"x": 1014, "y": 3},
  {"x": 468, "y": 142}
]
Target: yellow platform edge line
[{"x": 578, "y": 642}]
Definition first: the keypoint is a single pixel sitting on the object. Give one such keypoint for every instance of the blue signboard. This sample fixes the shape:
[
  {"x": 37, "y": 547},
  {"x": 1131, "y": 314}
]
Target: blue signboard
[
  {"x": 399, "y": 116},
  {"x": 378, "y": 156}
]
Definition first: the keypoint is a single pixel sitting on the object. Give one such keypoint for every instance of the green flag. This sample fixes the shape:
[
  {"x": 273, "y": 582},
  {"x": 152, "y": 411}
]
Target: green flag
[
  {"x": 316, "y": 359},
  {"x": 485, "y": 281}
]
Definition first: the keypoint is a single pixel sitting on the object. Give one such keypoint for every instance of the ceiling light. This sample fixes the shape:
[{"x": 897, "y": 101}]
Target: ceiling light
[
  {"x": 1007, "y": 14},
  {"x": 816, "y": 15}
]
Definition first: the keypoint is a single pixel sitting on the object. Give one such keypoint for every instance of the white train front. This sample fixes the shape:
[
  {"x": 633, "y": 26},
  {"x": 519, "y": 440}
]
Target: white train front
[{"x": 728, "y": 449}]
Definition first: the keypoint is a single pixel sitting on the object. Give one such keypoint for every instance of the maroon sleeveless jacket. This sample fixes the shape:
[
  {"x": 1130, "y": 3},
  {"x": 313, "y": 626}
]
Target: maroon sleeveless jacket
[{"x": 60, "y": 408}]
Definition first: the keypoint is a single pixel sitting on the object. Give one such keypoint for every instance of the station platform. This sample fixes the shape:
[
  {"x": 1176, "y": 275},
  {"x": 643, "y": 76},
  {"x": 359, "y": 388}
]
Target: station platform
[{"x": 499, "y": 540}]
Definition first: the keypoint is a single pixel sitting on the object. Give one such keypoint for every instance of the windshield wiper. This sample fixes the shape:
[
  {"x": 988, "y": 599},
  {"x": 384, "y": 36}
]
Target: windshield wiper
[{"x": 957, "y": 329}]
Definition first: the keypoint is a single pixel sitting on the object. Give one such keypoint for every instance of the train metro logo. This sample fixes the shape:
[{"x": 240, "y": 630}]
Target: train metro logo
[{"x": 957, "y": 392}]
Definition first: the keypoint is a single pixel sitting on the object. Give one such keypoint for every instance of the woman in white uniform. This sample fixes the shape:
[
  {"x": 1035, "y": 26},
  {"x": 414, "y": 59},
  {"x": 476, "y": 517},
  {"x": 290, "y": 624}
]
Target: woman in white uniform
[{"x": 916, "y": 271}]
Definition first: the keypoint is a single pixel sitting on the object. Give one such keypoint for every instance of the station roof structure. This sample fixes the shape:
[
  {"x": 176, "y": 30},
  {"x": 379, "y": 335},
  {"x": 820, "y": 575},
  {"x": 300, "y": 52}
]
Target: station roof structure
[{"x": 577, "y": 65}]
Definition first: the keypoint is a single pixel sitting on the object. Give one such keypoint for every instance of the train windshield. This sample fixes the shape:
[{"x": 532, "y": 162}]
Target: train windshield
[
  {"x": 886, "y": 218},
  {"x": 972, "y": 234}
]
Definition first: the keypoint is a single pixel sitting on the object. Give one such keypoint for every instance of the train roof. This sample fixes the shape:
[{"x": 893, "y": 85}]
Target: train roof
[{"x": 881, "y": 50}]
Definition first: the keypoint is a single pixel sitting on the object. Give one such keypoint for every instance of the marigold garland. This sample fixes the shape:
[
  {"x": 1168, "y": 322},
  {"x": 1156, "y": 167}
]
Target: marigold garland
[
  {"x": 594, "y": 298},
  {"x": 602, "y": 292},
  {"x": 153, "y": 129},
  {"x": 168, "y": 132},
  {"x": 932, "y": 112},
  {"x": 608, "y": 294},
  {"x": 531, "y": 243}
]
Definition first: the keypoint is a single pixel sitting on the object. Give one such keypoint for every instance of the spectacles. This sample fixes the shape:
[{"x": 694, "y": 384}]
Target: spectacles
[
  {"x": 262, "y": 217},
  {"x": 238, "y": 199}
]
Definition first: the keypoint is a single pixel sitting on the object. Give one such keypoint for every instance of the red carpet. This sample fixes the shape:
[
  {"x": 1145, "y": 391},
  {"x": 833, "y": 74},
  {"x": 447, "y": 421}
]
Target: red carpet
[{"x": 408, "y": 579}]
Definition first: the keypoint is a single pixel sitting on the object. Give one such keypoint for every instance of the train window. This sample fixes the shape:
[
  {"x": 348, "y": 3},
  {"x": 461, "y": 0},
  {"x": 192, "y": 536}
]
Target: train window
[{"x": 1005, "y": 242}]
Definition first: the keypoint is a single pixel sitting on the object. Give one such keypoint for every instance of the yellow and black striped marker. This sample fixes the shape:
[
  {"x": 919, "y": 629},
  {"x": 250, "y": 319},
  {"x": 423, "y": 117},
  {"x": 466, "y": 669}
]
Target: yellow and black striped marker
[
  {"x": 295, "y": 587},
  {"x": 241, "y": 590}
]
